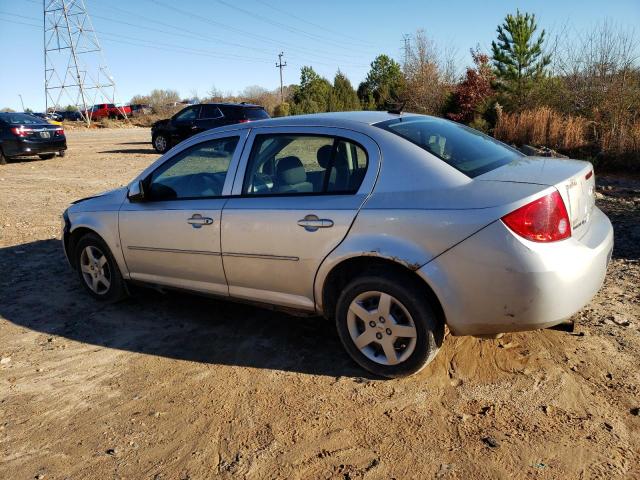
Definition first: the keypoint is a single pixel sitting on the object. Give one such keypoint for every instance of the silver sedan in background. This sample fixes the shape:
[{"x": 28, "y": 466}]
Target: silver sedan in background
[{"x": 392, "y": 225}]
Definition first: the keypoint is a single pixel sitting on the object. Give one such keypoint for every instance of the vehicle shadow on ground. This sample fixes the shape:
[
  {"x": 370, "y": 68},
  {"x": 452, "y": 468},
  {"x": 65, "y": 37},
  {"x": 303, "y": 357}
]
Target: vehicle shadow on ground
[
  {"x": 133, "y": 151},
  {"x": 626, "y": 229},
  {"x": 40, "y": 292}
]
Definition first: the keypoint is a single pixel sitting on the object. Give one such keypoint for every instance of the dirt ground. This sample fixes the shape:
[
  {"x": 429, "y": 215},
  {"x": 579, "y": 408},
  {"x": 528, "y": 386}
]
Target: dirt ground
[{"x": 181, "y": 387}]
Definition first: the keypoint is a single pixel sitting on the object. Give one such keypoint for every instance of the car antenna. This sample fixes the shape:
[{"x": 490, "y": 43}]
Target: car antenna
[{"x": 396, "y": 108}]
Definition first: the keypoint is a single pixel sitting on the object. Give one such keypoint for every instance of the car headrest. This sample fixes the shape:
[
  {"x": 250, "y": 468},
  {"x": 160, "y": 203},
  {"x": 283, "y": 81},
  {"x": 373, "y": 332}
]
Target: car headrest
[
  {"x": 324, "y": 155},
  {"x": 289, "y": 171}
]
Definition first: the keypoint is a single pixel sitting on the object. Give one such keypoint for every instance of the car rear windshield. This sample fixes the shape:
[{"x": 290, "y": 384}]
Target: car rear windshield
[
  {"x": 20, "y": 119},
  {"x": 255, "y": 114},
  {"x": 467, "y": 150}
]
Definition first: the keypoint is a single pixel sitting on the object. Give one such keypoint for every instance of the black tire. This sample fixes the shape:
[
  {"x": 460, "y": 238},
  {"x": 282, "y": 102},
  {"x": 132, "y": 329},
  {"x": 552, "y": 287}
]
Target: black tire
[
  {"x": 116, "y": 290},
  {"x": 47, "y": 156},
  {"x": 62, "y": 153},
  {"x": 429, "y": 327},
  {"x": 159, "y": 145},
  {"x": 3, "y": 159}
]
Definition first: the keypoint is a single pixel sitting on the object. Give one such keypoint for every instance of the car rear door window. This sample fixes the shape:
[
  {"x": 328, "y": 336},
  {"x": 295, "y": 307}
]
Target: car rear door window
[
  {"x": 209, "y": 112},
  {"x": 197, "y": 172},
  {"x": 284, "y": 164}
]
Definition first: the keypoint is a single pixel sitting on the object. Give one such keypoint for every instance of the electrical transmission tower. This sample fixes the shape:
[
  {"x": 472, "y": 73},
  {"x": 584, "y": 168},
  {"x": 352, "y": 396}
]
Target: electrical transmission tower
[
  {"x": 407, "y": 48},
  {"x": 75, "y": 71}
]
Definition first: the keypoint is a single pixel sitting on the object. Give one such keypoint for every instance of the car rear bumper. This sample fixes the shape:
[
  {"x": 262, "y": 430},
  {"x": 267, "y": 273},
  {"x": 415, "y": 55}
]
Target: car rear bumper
[
  {"x": 23, "y": 148},
  {"x": 495, "y": 281}
]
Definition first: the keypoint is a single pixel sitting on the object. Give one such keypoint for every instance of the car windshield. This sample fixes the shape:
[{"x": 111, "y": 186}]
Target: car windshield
[
  {"x": 20, "y": 119},
  {"x": 467, "y": 150}
]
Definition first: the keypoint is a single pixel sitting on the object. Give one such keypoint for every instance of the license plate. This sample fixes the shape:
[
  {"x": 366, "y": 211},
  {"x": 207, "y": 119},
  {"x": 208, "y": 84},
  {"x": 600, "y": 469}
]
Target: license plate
[{"x": 45, "y": 135}]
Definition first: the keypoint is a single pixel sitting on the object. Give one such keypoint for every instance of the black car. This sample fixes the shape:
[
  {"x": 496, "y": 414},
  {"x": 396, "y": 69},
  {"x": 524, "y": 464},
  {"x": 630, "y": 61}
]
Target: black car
[
  {"x": 69, "y": 115},
  {"x": 23, "y": 135},
  {"x": 198, "y": 118}
]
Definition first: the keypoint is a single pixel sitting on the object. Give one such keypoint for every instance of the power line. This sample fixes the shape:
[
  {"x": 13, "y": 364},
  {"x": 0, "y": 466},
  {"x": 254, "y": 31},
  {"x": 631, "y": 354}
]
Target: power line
[
  {"x": 245, "y": 33},
  {"x": 323, "y": 28},
  {"x": 284, "y": 26},
  {"x": 159, "y": 47}
]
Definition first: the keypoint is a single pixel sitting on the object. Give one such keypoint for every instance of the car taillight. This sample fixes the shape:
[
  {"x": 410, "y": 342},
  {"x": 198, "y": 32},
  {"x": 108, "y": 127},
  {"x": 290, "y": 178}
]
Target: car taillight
[
  {"x": 20, "y": 131},
  {"x": 244, "y": 120},
  {"x": 59, "y": 131},
  {"x": 543, "y": 220}
]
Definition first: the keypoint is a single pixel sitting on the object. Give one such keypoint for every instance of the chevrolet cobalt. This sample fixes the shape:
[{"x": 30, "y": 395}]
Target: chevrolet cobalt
[{"x": 391, "y": 225}]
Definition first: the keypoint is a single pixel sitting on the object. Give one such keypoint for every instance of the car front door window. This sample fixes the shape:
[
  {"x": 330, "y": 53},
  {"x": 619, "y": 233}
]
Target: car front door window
[
  {"x": 197, "y": 172},
  {"x": 284, "y": 164}
]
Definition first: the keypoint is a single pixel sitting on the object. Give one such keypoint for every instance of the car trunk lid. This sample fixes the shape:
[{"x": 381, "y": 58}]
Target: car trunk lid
[
  {"x": 38, "y": 133},
  {"x": 573, "y": 179}
]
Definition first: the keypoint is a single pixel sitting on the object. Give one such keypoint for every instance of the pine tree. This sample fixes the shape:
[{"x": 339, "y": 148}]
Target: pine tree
[
  {"x": 343, "y": 97},
  {"x": 384, "y": 83},
  {"x": 312, "y": 96},
  {"x": 518, "y": 58}
]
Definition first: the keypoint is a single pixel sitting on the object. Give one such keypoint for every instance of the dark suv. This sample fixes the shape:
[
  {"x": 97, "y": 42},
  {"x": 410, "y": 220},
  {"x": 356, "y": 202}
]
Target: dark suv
[
  {"x": 23, "y": 135},
  {"x": 198, "y": 118}
]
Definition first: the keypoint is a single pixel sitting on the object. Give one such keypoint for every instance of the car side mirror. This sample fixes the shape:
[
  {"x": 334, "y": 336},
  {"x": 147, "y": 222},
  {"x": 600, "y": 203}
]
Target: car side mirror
[{"x": 136, "y": 192}]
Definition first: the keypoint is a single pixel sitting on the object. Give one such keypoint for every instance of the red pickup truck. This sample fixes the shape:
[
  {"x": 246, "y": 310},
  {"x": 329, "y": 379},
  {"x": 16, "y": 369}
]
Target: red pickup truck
[{"x": 108, "y": 110}]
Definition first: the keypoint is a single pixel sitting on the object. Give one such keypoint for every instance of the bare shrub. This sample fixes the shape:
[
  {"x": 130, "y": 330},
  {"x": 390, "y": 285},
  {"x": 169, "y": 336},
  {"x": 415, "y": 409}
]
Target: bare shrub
[{"x": 430, "y": 74}]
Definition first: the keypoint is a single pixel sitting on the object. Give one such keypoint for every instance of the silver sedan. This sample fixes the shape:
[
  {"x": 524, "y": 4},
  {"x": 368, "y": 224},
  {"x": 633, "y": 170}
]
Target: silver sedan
[{"x": 391, "y": 225}]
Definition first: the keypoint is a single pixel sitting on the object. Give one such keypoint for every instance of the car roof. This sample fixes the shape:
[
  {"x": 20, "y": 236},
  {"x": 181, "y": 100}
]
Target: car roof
[
  {"x": 233, "y": 104},
  {"x": 355, "y": 119}
]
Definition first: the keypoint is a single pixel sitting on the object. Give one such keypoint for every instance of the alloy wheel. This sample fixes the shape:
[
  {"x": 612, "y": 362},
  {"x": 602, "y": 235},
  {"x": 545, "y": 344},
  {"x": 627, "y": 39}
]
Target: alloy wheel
[
  {"x": 95, "y": 270},
  {"x": 161, "y": 143},
  {"x": 381, "y": 328}
]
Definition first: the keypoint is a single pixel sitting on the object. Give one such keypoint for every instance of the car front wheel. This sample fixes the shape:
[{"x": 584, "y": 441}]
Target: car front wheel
[
  {"x": 160, "y": 143},
  {"x": 98, "y": 270},
  {"x": 387, "y": 325}
]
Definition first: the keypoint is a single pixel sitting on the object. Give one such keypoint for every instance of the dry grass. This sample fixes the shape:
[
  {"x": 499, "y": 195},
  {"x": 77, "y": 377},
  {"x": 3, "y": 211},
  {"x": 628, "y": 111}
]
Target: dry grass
[
  {"x": 614, "y": 145},
  {"x": 543, "y": 126}
]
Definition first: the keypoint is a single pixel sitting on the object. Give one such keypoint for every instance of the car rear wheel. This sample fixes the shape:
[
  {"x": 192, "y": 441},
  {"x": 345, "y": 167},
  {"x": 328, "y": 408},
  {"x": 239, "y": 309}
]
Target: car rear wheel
[
  {"x": 62, "y": 153},
  {"x": 47, "y": 156},
  {"x": 160, "y": 143},
  {"x": 387, "y": 324},
  {"x": 98, "y": 270}
]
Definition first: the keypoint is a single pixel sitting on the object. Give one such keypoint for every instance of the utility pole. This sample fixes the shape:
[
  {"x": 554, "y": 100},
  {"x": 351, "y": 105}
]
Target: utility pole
[
  {"x": 281, "y": 65},
  {"x": 74, "y": 66},
  {"x": 21, "y": 102}
]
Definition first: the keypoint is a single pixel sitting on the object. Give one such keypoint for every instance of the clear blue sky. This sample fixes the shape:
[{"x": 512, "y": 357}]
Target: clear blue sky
[{"x": 193, "y": 45}]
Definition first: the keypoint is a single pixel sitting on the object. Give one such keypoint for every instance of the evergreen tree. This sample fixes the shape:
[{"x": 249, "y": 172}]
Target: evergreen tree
[
  {"x": 518, "y": 57},
  {"x": 312, "y": 96},
  {"x": 343, "y": 97},
  {"x": 383, "y": 85}
]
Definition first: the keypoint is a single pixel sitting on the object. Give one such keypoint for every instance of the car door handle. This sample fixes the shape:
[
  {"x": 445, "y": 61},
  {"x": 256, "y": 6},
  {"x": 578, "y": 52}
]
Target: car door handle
[
  {"x": 197, "y": 220},
  {"x": 311, "y": 223}
]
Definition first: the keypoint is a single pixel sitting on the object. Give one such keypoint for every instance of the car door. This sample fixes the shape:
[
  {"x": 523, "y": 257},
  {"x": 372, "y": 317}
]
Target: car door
[
  {"x": 184, "y": 124},
  {"x": 295, "y": 196},
  {"x": 210, "y": 117},
  {"x": 172, "y": 236}
]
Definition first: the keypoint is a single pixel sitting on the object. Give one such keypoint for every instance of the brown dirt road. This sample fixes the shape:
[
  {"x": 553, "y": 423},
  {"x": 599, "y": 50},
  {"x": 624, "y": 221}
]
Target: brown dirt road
[{"x": 181, "y": 387}]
